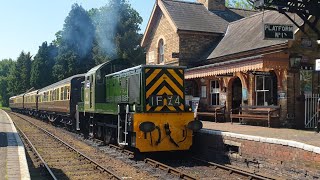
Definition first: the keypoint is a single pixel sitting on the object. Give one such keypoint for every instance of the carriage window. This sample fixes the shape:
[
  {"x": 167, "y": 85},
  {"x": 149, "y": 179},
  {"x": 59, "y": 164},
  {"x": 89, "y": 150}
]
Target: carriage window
[
  {"x": 65, "y": 93},
  {"x": 68, "y": 92},
  {"x": 214, "y": 91},
  {"x": 57, "y": 94},
  {"x": 61, "y": 93}
]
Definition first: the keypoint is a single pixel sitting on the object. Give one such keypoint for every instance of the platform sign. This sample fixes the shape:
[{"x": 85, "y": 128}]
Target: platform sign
[
  {"x": 317, "y": 64},
  {"x": 278, "y": 31}
]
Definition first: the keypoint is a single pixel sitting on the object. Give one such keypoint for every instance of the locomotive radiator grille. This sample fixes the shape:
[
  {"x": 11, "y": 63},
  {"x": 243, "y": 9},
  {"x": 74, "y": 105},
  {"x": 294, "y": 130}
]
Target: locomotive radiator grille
[{"x": 164, "y": 90}]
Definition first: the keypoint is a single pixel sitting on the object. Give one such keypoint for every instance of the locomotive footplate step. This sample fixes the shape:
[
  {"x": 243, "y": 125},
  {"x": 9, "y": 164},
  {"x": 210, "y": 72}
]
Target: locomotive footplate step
[{"x": 13, "y": 163}]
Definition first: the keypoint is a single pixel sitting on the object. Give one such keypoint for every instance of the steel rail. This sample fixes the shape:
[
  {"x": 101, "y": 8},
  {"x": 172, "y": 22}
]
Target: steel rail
[
  {"x": 101, "y": 168},
  {"x": 123, "y": 151},
  {"x": 169, "y": 169},
  {"x": 43, "y": 162},
  {"x": 155, "y": 164},
  {"x": 236, "y": 170}
]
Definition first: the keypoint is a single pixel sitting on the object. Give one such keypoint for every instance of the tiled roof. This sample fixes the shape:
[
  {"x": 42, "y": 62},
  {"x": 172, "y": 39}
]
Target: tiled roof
[
  {"x": 247, "y": 34},
  {"x": 191, "y": 16}
]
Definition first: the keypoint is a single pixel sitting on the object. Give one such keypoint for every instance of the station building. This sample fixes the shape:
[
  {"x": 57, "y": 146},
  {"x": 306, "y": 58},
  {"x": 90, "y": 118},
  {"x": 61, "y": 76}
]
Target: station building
[{"x": 230, "y": 63}]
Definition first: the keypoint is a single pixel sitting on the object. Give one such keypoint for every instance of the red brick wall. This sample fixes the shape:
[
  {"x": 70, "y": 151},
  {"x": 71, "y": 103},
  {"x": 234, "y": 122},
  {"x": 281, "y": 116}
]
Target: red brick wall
[
  {"x": 189, "y": 46},
  {"x": 162, "y": 29},
  {"x": 273, "y": 159}
]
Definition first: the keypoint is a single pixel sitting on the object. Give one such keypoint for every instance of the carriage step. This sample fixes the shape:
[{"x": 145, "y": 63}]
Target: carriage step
[{"x": 123, "y": 144}]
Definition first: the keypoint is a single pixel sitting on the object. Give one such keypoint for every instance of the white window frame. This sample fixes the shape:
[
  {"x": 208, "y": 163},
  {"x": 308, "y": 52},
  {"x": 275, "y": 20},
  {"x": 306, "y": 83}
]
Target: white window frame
[
  {"x": 264, "y": 90},
  {"x": 161, "y": 51},
  {"x": 215, "y": 91},
  {"x": 204, "y": 91}
]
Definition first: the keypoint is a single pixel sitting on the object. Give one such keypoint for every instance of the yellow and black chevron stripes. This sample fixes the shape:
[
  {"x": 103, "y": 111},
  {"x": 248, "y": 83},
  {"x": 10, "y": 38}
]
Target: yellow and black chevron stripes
[{"x": 167, "y": 85}]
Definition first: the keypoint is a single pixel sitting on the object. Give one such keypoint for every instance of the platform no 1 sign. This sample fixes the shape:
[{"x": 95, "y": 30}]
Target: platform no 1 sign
[{"x": 278, "y": 31}]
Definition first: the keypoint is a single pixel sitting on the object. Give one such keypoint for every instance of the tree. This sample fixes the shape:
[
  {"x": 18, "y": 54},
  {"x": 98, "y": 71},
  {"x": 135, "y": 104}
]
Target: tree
[
  {"x": 21, "y": 76},
  {"x": 241, "y": 4},
  {"x": 117, "y": 27},
  {"x": 75, "y": 43},
  {"x": 42, "y": 64},
  {"x": 6, "y": 67}
]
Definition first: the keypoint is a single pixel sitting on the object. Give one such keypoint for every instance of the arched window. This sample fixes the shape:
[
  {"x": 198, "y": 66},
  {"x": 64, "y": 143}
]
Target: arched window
[{"x": 160, "y": 51}]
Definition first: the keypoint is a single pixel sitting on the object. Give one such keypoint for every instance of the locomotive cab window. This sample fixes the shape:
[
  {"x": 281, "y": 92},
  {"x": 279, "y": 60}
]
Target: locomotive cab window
[{"x": 99, "y": 78}]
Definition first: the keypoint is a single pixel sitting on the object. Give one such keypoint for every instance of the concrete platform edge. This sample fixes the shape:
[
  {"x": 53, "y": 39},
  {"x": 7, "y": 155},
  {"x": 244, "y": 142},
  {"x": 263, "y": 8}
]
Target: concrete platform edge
[
  {"x": 283, "y": 142},
  {"x": 24, "y": 170}
]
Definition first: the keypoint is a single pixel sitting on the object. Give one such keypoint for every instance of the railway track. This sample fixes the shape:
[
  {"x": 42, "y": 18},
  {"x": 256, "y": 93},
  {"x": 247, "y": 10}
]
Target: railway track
[
  {"x": 61, "y": 160},
  {"x": 228, "y": 169},
  {"x": 231, "y": 169},
  {"x": 169, "y": 172}
]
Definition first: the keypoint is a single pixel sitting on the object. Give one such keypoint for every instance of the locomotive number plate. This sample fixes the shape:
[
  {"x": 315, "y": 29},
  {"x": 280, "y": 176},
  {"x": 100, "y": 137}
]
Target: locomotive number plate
[{"x": 165, "y": 100}]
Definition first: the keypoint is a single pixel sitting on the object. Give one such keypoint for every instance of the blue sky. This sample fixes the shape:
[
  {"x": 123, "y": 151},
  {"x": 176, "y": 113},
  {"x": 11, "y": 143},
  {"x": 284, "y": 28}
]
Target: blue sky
[{"x": 26, "y": 24}]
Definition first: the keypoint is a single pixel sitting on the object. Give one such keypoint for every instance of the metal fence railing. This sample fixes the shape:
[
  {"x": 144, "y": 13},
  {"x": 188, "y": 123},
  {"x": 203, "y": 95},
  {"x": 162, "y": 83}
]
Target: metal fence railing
[{"x": 311, "y": 110}]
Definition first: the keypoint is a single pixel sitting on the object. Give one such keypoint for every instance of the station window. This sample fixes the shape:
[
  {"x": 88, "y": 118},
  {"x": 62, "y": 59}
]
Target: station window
[
  {"x": 214, "y": 91},
  {"x": 203, "y": 91},
  {"x": 264, "y": 90},
  {"x": 160, "y": 51}
]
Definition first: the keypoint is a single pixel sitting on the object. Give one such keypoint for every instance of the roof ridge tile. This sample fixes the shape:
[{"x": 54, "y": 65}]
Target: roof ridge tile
[{"x": 181, "y": 1}]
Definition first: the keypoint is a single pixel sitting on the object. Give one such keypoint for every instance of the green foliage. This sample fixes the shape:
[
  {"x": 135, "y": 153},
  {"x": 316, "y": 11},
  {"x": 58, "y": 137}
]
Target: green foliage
[
  {"x": 241, "y": 4},
  {"x": 21, "y": 76},
  {"x": 42, "y": 64},
  {"x": 75, "y": 43},
  {"x": 117, "y": 27},
  {"x": 7, "y": 67}
]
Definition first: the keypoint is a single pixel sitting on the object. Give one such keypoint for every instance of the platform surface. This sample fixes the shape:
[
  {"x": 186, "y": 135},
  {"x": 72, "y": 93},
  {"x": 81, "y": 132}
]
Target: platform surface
[
  {"x": 302, "y": 136},
  {"x": 13, "y": 163}
]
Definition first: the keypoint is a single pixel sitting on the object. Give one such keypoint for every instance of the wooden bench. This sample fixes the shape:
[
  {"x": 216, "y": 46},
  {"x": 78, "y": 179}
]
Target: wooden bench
[
  {"x": 215, "y": 112},
  {"x": 256, "y": 113}
]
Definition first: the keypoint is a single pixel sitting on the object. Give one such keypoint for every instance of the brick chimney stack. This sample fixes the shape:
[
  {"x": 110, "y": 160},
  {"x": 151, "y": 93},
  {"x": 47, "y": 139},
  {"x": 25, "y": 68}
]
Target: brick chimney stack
[{"x": 213, "y": 4}]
